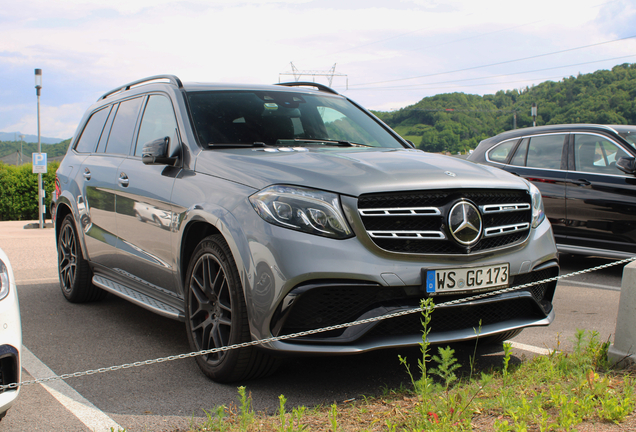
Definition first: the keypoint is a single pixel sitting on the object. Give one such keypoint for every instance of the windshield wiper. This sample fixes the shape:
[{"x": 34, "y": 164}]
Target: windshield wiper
[
  {"x": 340, "y": 143},
  {"x": 237, "y": 145}
]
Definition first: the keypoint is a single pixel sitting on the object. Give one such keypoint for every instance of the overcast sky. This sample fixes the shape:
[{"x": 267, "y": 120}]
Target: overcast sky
[{"x": 393, "y": 53}]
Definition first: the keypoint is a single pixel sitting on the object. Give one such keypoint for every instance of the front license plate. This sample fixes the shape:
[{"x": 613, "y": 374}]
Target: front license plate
[{"x": 445, "y": 281}]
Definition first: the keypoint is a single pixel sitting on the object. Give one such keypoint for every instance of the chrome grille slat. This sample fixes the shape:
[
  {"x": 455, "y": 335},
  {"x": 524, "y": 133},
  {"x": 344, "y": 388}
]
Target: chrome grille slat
[
  {"x": 502, "y": 208},
  {"x": 401, "y": 211},
  {"x": 507, "y": 229},
  {"x": 428, "y": 235}
]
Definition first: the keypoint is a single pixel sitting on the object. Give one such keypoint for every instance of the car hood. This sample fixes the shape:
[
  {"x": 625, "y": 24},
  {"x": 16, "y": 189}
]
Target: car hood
[{"x": 350, "y": 171}]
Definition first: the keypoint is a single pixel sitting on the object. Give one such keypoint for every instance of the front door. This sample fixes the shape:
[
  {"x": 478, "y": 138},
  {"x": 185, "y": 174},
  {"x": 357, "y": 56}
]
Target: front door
[
  {"x": 144, "y": 210},
  {"x": 601, "y": 199}
]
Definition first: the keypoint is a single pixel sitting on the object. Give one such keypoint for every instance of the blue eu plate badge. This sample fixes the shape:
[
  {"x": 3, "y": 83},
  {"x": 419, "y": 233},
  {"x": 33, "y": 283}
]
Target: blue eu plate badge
[{"x": 430, "y": 281}]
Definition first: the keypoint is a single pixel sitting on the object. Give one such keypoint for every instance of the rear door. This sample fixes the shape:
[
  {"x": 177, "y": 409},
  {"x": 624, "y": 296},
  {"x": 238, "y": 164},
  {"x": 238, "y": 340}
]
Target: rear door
[
  {"x": 98, "y": 177},
  {"x": 601, "y": 199}
]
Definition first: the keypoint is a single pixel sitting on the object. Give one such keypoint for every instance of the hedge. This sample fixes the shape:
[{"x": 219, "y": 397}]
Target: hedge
[{"x": 19, "y": 191}]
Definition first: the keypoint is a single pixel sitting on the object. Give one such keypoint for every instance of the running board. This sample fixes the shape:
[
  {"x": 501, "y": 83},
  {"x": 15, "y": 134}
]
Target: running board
[{"x": 138, "y": 298}]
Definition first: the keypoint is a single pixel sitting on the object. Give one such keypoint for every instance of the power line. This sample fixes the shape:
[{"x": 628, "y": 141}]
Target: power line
[
  {"x": 479, "y": 85},
  {"x": 424, "y": 86},
  {"x": 498, "y": 63}
]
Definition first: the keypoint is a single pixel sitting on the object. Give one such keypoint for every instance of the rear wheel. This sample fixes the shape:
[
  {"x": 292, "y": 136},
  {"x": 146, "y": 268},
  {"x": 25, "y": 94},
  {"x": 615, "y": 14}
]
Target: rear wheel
[
  {"x": 216, "y": 315},
  {"x": 74, "y": 272}
]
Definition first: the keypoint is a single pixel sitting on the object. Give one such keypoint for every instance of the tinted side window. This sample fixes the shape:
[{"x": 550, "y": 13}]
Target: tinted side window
[
  {"x": 596, "y": 154},
  {"x": 92, "y": 131},
  {"x": 501, "y": 152},
  {"x": 121, "y": 134},
  {"x": 545, "y": 151},
  {"x": 158, "y": 122},
  {"x": 104, "y": 139},
  {"x": 519, "y": 158}
]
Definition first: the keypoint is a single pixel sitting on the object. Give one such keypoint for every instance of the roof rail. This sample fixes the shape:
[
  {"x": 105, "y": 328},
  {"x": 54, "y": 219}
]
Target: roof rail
[
  {"x": 172, "y": 78},
  {"x": 320, "y": 87}
]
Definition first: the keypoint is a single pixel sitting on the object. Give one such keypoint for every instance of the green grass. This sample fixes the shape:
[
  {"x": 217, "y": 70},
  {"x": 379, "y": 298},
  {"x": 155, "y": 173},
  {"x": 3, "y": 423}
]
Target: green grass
[{"x": 557, "y": 392}]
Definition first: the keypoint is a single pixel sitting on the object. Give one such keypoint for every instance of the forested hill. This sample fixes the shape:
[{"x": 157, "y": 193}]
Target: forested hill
[
  {"x": 52, "y": 150},
  {"x": 455, "y": 122}
]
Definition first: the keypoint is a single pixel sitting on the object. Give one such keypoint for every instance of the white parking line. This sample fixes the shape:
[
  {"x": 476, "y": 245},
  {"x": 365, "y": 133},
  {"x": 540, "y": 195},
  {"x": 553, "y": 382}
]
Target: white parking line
[
  {"x": 86, "y": 412},
  {"x": 35, "y": 281},
  {"x": 531, "y": 348}
]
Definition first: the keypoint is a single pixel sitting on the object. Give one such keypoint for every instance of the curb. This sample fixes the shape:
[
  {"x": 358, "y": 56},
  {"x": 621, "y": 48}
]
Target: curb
[{"x": 622, "y": 352}]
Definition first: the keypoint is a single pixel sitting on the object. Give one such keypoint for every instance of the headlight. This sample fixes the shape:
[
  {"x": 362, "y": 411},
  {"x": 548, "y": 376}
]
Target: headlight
[
  {"x": 308, "y": 210},
  {"x": 4, "y": 280},
  {"x": 538, "y": 213}
]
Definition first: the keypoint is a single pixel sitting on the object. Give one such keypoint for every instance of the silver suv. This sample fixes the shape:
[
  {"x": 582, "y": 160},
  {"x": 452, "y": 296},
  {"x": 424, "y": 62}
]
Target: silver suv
[{"x": 257, "y": 211}]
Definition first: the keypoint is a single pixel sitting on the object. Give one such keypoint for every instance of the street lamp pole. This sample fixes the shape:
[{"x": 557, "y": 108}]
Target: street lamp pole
[
  {"x": 21, "y": 150},
  {"x": 38, "y": 87}
]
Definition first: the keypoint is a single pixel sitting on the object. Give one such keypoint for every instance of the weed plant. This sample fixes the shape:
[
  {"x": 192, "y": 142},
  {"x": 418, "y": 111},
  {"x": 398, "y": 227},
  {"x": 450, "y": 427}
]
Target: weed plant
[{"x": 556, "y": 392}]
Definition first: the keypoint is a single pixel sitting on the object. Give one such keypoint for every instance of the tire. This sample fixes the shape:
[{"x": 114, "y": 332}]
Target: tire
[
  {"x": 74, "y": 272},
  {"x": 500, "y": 337},
  {"x": 216, "y": 315}
]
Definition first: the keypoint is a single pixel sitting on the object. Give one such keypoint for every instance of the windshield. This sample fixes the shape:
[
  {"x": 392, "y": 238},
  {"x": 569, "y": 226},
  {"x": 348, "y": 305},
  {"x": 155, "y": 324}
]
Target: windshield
[
  {"x": 630, "y": 137},
  {"x": 283, "y": 119}
]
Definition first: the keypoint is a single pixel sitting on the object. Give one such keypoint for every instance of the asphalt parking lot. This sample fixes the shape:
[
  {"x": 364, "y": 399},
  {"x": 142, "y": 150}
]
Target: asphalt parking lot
[{"x": 61, "y": 338}]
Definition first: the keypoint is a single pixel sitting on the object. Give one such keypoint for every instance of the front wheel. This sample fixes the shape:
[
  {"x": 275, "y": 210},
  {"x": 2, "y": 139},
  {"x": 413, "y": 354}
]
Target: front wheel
[
  {"x": 499, "y": 337},
  {"x": 74, "y": 272},
  {"x": 216, "y": 315}
]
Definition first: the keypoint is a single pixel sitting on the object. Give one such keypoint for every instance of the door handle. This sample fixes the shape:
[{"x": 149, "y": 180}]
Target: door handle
[
  {"x": 581, "y": 182},
  {"x": 87, "y": 174},
  {"x": 123, "y": 180}
]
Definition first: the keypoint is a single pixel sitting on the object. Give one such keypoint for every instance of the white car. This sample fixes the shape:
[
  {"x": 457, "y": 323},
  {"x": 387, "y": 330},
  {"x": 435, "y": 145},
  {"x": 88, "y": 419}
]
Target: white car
[{"x": 10, "y": 335}]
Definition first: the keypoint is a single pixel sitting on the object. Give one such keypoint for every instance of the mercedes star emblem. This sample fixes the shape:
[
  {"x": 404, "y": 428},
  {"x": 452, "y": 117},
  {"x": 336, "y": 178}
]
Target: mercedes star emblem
[{"x": 464, "y": 222}]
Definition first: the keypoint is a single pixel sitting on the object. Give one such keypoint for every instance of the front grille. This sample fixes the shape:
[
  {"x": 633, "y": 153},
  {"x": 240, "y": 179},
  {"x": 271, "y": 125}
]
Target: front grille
[
  {"x": 331, "y": 304},
  {"x": 417, "y": 222}
]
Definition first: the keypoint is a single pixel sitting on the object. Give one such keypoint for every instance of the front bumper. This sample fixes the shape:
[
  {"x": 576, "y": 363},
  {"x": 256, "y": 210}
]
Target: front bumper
[
  {"x": 299, "y": 282},
  {"x": 317, "y": 306}
]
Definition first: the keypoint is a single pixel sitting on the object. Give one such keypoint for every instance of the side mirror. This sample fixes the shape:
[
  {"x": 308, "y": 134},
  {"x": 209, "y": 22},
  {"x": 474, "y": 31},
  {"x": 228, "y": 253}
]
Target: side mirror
[
  {"x": 626, "y": 164},
  {"x": 156, "y": 152}
]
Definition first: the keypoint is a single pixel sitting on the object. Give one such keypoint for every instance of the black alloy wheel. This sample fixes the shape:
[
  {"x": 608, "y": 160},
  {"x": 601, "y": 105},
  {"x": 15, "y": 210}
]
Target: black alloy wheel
[
  {"x": 216, "y": 315},
  {"x": 74, "y": 271},
  {"x": 210, "y": 306}
]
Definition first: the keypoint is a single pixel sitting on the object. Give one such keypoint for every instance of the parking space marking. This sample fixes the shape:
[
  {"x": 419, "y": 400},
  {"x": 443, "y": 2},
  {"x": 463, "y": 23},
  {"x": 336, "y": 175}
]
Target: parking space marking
[
  {"x": 80, "y": 407},
  {"x": 35, "y": 281},
  {"x": 591, "y": 285},
  {"x": 531, "y": 348}
]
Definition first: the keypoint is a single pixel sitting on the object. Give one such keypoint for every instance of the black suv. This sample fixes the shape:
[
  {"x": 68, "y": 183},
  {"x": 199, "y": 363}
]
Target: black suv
[
  {"x": 586, "y": 175},
  {"x": 253, "y": 212}
]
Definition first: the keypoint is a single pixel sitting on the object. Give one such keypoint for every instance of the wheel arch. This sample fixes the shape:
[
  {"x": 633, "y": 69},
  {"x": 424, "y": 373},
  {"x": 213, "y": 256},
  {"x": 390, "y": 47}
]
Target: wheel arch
[
  {"x": 193, "y": 233},
  {"x": 64, "y": 207},
  {"x": 200, "y": 227}
]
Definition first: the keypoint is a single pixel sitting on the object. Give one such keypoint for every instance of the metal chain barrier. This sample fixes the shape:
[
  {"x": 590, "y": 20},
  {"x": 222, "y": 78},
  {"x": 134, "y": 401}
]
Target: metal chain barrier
[{"x": 309, "y": 332}]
